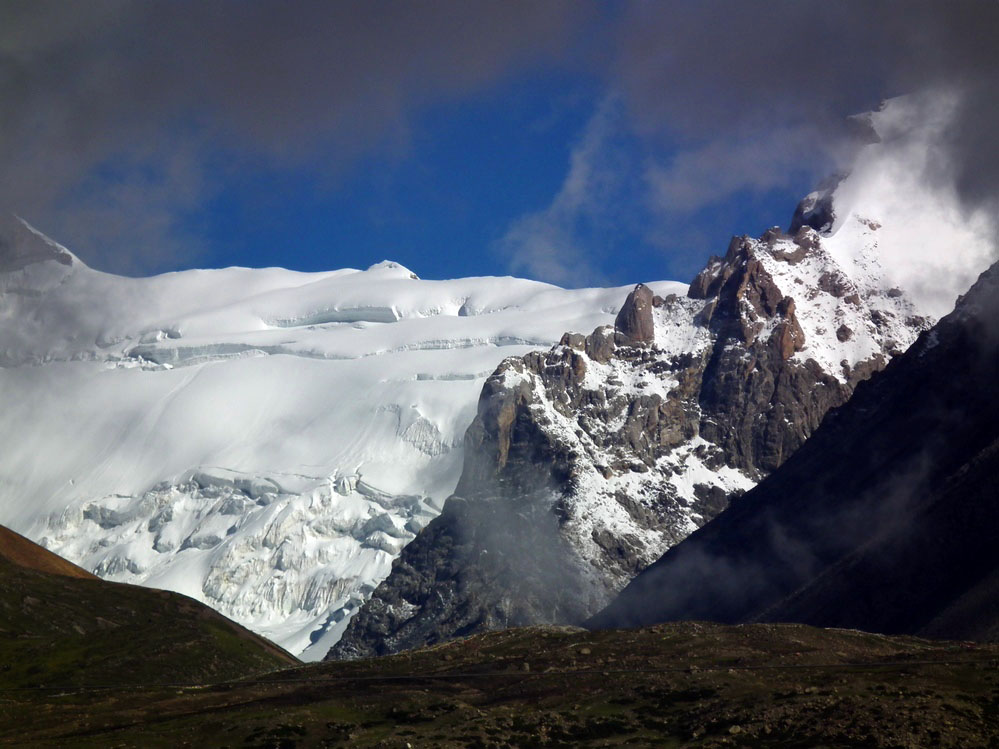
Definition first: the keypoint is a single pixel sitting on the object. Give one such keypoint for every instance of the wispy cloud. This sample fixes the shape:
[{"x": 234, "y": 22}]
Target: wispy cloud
[
  {"x": 711, "y": 173},
  {"x": 309, "y": 85},
  {"x": 562, "y": 243},
  {"x": 555, "y": 244}
]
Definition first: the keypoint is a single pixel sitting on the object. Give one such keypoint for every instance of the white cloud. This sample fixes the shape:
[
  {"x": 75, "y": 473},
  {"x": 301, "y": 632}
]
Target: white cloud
[
  {"x": 712, "y": 172},
  {"x": 555, "y": 244},
  {"x": 931, "y": 243}
]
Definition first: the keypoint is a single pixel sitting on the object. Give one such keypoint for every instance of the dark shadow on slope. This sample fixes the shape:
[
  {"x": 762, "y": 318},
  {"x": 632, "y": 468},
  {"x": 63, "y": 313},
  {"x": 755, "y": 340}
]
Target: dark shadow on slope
[{"x": 884, "y": 516}]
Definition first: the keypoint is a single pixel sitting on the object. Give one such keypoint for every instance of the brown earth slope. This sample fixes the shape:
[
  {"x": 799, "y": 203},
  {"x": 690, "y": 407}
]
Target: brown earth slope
[
  {"x": 61, "y": 626},
  {"x": 17, "y": 549}
]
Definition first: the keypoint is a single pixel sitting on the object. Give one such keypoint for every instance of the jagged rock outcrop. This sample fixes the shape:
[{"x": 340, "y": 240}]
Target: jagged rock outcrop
[
  {"x": 634, "y": 321},
  {"x": 885, "y": 520},
  {"x": 758, "y": 405},
  {"x": 816, "y": 209},
  {"x": 586, "y": 462},
  {"x": 21, "y": 246}
]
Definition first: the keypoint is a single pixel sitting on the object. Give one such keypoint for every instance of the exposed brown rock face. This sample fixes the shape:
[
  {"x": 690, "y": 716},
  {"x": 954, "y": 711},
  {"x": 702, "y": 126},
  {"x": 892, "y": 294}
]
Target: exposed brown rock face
[
  {"x": 634, "y": 321},
  {"x": 587, "y": 461},
  {"x": 757, "y": 405},
  {"x": 886, "y": 519}
]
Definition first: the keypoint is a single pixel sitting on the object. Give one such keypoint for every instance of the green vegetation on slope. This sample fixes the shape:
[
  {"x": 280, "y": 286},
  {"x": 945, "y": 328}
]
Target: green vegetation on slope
[
  {"x": 63, "y": 631},
  {"x": 685, "y": 684}
]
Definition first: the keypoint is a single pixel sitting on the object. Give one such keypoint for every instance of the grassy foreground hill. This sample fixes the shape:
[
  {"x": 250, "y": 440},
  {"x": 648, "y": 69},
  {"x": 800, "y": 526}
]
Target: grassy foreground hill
[
  {"x": 684, "y": 684},
  {"x": 87, "y": 663},
  {"x": 18, "y": 550},
  {"x": 62, "y": 627}
]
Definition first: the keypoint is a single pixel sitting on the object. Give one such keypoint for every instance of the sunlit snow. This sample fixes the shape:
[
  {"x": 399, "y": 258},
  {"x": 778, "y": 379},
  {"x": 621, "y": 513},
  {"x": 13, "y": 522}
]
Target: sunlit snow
[
  {"x": 266, "y": 441},
  {"x": 262, "y": 440}
]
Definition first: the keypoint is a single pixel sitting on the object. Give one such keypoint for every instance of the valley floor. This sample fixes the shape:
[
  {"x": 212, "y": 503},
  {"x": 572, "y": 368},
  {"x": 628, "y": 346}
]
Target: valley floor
[{"x": 686, "y": 684}]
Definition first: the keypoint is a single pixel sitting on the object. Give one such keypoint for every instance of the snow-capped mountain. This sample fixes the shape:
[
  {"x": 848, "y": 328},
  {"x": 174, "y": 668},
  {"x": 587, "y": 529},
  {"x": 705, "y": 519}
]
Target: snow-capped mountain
[
  {"x": 885, "y": 520},
  {"x": 264, "y": 441},
  {"x": 267, "y": 441},
  {"x": 587, "y": 462},
  {"x": 609, "y": 449}
]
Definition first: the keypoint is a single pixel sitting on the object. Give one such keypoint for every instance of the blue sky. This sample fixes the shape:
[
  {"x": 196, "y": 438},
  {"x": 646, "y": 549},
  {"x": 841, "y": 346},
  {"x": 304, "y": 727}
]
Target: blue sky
[
  {"x": 444, "y": 203},
  {"x": 575, "y": 142}
]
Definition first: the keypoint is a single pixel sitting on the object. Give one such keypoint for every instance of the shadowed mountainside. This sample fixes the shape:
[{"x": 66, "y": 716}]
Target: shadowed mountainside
[{"x": 885, "y": 520}]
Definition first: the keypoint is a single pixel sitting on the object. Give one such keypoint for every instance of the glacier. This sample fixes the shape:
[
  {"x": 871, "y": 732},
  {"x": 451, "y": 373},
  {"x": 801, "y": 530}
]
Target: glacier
[{"x": 265, "y": 441}]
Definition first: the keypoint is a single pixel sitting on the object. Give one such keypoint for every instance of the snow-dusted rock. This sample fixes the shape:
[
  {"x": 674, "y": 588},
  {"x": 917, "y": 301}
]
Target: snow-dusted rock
[
  {"x": 262, "y": 440},
  {"x": 884, "y": 521},
  {"x": 587, "y": 462}
]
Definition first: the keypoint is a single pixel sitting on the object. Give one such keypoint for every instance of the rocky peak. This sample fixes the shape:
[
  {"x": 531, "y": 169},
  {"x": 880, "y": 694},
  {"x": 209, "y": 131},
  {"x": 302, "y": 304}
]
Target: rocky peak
[
  {"x": 634, "y": 321},
  {"x": 743, "y": 298},
  {"x": 896, "y": 532},
  {"x": 816, "y": 209},
  {"x": 610, "y": 448},
  {"x": 21, "y": 246}
]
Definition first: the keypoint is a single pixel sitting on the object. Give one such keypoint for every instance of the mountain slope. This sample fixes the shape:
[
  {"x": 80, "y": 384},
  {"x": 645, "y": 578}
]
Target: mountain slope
[
  {"x": 935, "y": 575},
  {"x": 18, "y": 550},
  {"x": 587, "y": 462},
  {"x": 688, "y": 684},
  {"x": 885, "y": 520},
  {"x": 61, "y": 626},
  {"x": 264, "y": 441}
]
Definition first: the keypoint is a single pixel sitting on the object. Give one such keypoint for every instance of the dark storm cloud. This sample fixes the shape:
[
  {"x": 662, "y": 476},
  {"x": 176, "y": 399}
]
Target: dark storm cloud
[
  {"x": 147, "y": 89},
  {"x": 273, "y": 72},
  {"x": 149, "y": 83},
  {"x": 717, "y": 70}
]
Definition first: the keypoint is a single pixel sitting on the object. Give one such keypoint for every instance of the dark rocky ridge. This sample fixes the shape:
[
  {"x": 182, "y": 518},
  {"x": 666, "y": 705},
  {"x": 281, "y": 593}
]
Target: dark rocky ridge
[
  {"x": 569, "y": 485},
  {"x": 816, "y": 210},
  {"x": 20, "y": 246},
  {"x": 759, "y": 408},
  {"x": 885, "y": 520}
]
